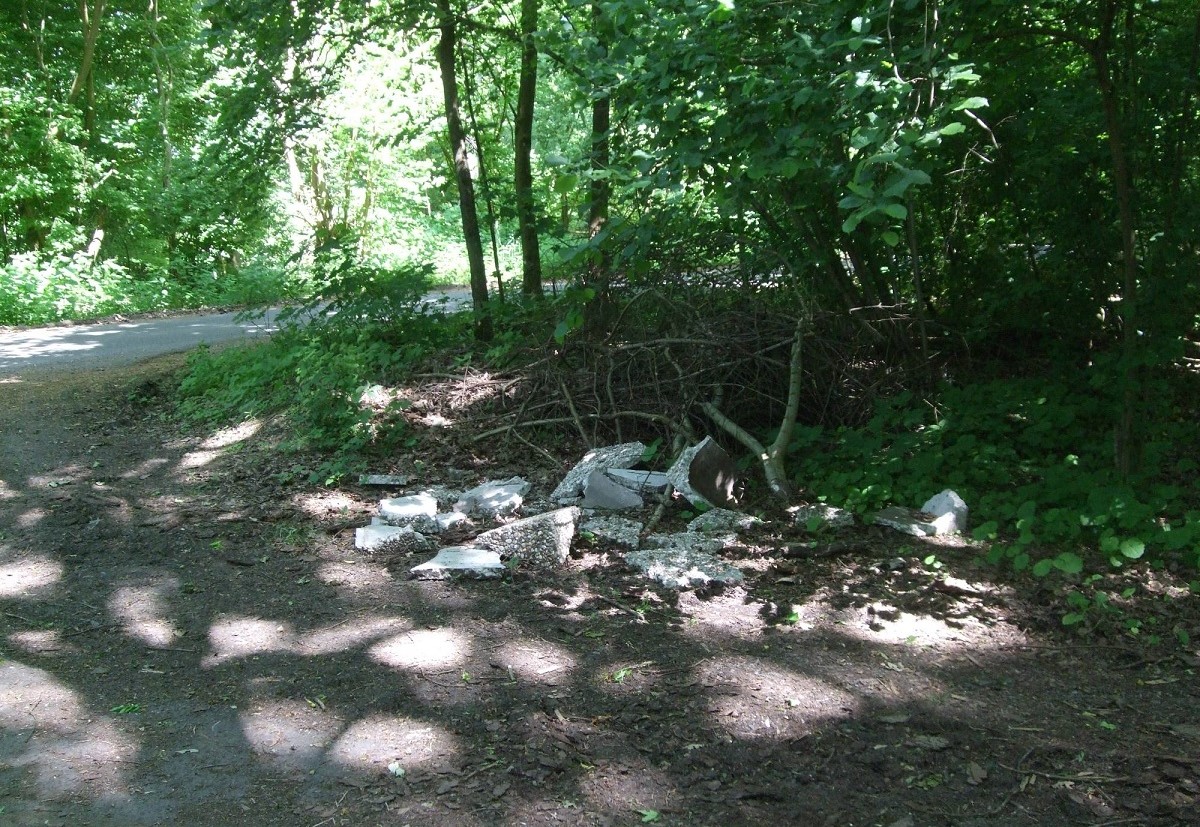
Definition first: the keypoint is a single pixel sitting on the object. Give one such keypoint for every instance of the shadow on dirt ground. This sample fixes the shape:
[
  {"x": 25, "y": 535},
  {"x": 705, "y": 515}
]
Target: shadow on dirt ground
[{"x": 190, "y": 639}]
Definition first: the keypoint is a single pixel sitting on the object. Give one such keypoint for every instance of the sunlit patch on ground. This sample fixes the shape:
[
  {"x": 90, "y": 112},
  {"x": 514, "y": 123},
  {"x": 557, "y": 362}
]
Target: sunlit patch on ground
[
  {"x": 29, "y": 578},
  {"x": 70, "y": 750},
  {"x": 325, "y": 504},
  {"x": 47, "y": 643},
  {"x": 229, "y": 436},
  {"x": 423, "y": 650},
  {"x": 639, "y": 786},
  {"x": 291, "y": 734},
  {"x": 728, "y": 613},
  {"x": 7, "y": 492},
  {"x": 756, "y": 698},
  {"x": 349, "y": 633},
  {"x": 30, "y": 518},
  {"x": 231, "y": 638},
  {"x": 375, "y": 742},
  {"x": 145, "y": 468},
  {"x": 534, "y": 661},
  {"x": 143, "y": 612}
]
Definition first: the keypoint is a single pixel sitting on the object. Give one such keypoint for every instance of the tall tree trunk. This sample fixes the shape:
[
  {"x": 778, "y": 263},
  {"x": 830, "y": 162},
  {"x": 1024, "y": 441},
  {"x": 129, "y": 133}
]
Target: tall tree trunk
[
  {"x": 531, "y": 260},
  {"x": 1129, "y": 434},
  {"x": 462, "y": 169},
  {"x": 489, "y": 198},
  {"x": 600, "y": 309},
  {"x": 91, "y": 34}
]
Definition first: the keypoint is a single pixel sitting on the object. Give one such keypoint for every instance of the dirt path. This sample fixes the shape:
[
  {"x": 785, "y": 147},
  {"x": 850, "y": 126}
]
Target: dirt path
[{"x": 187, "y": 640}]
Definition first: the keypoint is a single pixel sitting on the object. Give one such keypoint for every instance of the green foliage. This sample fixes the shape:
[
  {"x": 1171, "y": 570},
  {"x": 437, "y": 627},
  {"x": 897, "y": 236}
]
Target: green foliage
[
  {"x": 1032, "y": 458},
  {"x": 322, "y": 375}
]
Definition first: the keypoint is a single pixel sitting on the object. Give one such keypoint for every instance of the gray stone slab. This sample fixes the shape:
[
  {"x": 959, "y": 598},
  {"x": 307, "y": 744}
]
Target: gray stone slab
[
  {"x": 495, "y": 498},
  {"x": 615, "y": 530},
  {"x": 601, "y": 491},
  {"x": 691, "y": 541},
  {"x": 681, "y": 569},
  {"x": 459, "y": 560},
  {"x": 450, "y": 519},
  {"x": 643, "y": 482},
  {"x": 543, "y": 541},
  {"x": 624, "y": 455},
  {"x": 417, "y": 510}
]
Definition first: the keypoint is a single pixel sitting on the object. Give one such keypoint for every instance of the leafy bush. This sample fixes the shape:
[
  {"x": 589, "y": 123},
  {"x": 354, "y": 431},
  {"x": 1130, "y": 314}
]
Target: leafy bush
[{"x": 1033, "y": 460}]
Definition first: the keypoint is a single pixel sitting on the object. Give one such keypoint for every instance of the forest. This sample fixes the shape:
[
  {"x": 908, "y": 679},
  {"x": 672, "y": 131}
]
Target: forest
[{"x": 876, "y": 248}]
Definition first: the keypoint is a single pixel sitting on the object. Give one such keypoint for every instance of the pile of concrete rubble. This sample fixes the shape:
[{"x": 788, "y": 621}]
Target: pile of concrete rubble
[{"x": 600, "y": 496}]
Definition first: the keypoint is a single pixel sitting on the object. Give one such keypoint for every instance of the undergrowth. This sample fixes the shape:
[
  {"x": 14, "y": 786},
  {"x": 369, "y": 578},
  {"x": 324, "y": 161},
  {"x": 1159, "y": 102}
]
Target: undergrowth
[{"x": 1033, "y": 459}]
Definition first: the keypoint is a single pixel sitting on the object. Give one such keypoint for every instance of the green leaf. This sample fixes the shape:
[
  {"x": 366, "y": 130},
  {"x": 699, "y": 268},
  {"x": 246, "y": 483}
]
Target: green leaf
[
  {"x": 890, "y": 238},
  {"x": 955, "y": 128},
  {"x": 1068, "y": 563},
  {"x": 970, "y": 103},
  {"x": 1133, "y": 548},
  {"x": 898, "y": 211},
  {"x": 1042, "y": 567},
  {"x": 1071, "y": 618}
]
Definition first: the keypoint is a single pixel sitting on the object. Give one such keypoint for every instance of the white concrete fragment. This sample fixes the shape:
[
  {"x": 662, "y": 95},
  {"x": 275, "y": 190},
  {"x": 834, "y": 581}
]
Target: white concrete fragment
[
  {"x": 400, "y": 538},
  {"x": 916, "y": 523},
  {"x": 382, "y": 479},
  {"x": 691, "y": 541},
  {"x": 829, "y": 515},
  {"x": 544, "y": 540},
  {"x": 643, "y": 482},
  {"x": 416, "y": 510},
  {"x": 616, "y": 530},
  {"x": 681, "y": 569},
  {"x": 495, "y": 498},
  {"x": 948, "y": 503},
  {"x": 450, "y": 519},
  {"x": 601, "y": 491},
  {"x": 624, "y": 455},
  {"x": 474, "y": 562}
]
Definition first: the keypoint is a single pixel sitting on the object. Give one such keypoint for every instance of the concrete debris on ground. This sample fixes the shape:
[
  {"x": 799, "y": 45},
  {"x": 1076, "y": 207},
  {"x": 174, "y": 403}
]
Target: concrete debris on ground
[
  {"x": 416, "y": 510},
  {"x": 602, "y": 491},
  {"x": 706, "y": 476},
  {"x": 616, "y": 530},
  {"x": 944, "y": 513},
  {"x": 473, "y": 562},
  {"x": 825, "y": 515},
  {"x": 399, "y": 539},
  {"x": 690, "y": 541},
  {"x": 543, "y": 541},
  {"x": 495, "y": 498},
  {"x": 682, "y": 568},
  {"x": 625, "y": 455},
  {"x": 382, "y": 479},
  {"x": 948, "y": 504},
  {"x": 722, "y": 519},
  {"x": 641, "y": 482}
]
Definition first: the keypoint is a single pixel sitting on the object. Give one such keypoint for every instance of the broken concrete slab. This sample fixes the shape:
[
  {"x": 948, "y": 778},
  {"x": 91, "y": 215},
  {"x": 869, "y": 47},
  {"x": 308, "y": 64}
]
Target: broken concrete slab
[
  {"x": 624, "y": 455},
  {"x": 446, "y": 521},
  {"x": 690, "y": 541},
  {"x": 682, "y": 568},
  {"x": 460, "y": 560},
  {"x": 826, "y": 515},
  {"x": 615, "y": 530},
  {"x": 382, "y": 479},
  {"x": 601, "y": 491},
  {"x": 723, "y": 520},
  {"x": 916, "y": 523},
  {"x": 543, "y": 540},
  {"x": 948, "y": 503},
  {"x": 495, "y": 498},
  {"x": 416, "y": 510},
  {"x": 706, "y": 476},
  {"x": 398, "y": 539},
  {"x": 643, "y": 482}
]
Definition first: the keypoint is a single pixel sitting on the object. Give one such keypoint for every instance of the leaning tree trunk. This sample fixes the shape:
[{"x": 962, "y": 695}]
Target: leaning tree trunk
[
  {"x": 462, "y": 169},
  {"x": 531, "y": 261}
]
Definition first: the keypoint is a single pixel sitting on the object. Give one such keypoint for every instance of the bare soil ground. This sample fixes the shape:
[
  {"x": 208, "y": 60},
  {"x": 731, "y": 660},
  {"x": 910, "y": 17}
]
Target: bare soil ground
[{"x": 189, "y": 637}]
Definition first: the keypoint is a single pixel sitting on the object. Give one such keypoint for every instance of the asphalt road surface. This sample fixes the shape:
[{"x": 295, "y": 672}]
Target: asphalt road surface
[{"x": 96, "y": 346}]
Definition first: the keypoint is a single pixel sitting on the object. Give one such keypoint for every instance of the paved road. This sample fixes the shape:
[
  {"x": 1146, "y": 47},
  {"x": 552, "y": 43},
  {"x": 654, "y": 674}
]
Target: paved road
[{"x": 92, "y": 346}]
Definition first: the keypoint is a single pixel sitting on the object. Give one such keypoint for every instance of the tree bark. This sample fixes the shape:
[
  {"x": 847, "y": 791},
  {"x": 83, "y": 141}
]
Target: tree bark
[
  {"x": 462, "y": 169},
  {"x": 531, "y": 261},
  {"x": 91, "y": 34}
]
